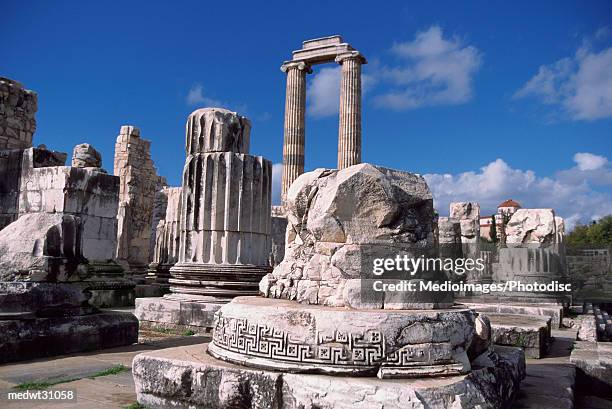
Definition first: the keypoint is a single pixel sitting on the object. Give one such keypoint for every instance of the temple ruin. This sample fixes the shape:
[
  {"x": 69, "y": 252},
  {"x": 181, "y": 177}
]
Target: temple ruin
[{"x": 313, "y": 52}]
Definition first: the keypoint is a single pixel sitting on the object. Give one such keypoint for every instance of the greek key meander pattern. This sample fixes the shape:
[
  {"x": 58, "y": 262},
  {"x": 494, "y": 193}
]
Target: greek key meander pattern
[{"x": 339, "y": 349}]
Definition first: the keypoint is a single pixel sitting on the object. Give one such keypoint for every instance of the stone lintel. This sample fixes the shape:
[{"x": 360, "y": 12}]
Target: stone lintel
[
  {"x": 321, "y": 54},
  {"x": 321, "y": 41}
]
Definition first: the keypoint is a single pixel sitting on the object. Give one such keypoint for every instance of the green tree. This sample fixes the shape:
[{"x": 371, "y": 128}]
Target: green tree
[
  {"x": 493, "y": 230},
  {"x": 598, "y": 233}
]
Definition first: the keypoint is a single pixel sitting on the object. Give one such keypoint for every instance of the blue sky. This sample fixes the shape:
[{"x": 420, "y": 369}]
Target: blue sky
[{"x": 489, "y": 99}]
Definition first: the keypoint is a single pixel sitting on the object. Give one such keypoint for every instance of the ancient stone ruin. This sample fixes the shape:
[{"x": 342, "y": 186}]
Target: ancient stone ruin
[
  {"x": 313, "y": 52},
  {"x": 18, "y": 108},
  {"x": 295, "y": 347},
  {"x": 57, "y": 245},
  {"x": 223, "y": 244},
  {"x": 139, "y": 182}
]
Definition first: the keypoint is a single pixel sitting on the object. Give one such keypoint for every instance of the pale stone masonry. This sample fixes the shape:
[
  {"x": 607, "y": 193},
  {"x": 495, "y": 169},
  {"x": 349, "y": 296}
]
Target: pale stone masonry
[
  {"x": 349, "y": 131},
  {"x": 320, "y": 51},
  {"x": 18, "y": 108},
  {"x": 139, "y": 182},
  {"x": 216, "y": 236},
  {"x": 166, "y": 244},
  {"x": 295, "y": 127},
  {"x": 86, "y": 156},
  {"x": 225, "y": 214}
]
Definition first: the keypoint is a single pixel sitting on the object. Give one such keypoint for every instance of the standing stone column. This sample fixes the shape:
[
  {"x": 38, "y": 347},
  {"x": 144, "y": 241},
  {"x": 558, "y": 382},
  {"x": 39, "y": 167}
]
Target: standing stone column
[
  {"x": 225, "y": 214},
  {"x": 349, "y": 131},
  {"x": 294, "y": 131}
]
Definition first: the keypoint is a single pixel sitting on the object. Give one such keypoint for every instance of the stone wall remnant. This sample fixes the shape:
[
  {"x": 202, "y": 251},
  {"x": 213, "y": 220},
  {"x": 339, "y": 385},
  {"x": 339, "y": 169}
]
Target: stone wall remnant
[
  {"x": 18, "y": 108},
  {"x": 138, "y": 184},
  {"x": 86, "y": 156}
]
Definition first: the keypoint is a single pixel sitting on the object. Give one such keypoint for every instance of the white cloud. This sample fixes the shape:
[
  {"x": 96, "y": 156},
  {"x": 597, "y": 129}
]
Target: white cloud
[
  {"x": 497, "y": 181},
  {"x": 196, "y": 96},
  {"x": 323, "y": 92},
  {"x": 588, "y": 161},
  {"x": 580, "y": 86},
  {"x": 434, "y": 71},
  {"x": 277, "y": 176}
]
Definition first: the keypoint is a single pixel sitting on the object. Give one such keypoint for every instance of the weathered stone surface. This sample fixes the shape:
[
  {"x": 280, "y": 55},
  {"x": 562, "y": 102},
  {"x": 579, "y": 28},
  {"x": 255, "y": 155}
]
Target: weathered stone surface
[
  {"x": 41, "y": 337},
  {"x": 41, "y": 247},
  {"x": 468, "y": 214},
  {"x": 86, "y": 193},
  {"x": 189, "y": 377},
  {"x": 86, "y": 156},
  {"x": 176, "y": 309},
  {"x": 14, "y": 165},
  {"x": 529, "y": 332},
  {"x": 276, "y": 334},
  {"x": 528, "y": 226},
  {"x": 555, "y": 312},
  {"x": 217, "y": 130},
  {"x": 587, "y": 330},
  {"x": 339, "y": 221},
  {"x": 18, "y": 108},
  {"x": 278, "y": 231},
  {"x": 138, "y": 184},
  {"x": 449, "y": 231},
  {"x": 225, "y": 209},
  {"x": 167, "y": 237},
  {"x": 594, "y": 361},
  {"x": 30, "y": 299}
]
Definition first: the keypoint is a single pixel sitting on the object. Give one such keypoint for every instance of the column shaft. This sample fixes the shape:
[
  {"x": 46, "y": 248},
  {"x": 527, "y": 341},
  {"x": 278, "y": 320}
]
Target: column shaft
[
  {"x": 294, "y": 138},
  {"x": 349, "y": 131}
]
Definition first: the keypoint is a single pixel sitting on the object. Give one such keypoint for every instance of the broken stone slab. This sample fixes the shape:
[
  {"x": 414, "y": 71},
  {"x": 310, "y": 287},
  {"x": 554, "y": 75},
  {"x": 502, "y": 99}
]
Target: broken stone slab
[
  {"x": 531, "y": 226},
  {"x": 86, "y": 156},
  {"x": 340, "y": 222},
  {"x": 25, "y": 339},
  {"x": 594, "y": 363},
  {"x": 587, "y": 330},
  {"x": 287, "y": 336},
  {"x": 44, "y": 299},
  {"x": 41, "y": 247},
  {"x": 177, "y": 309},
  {"x": 554, "y": 311},
  {"x": 529, "y": 332},
  {"x": 189, "y": 377}
]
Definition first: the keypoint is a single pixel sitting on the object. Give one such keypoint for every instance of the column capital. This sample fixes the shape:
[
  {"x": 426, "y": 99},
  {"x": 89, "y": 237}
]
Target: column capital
[
  {"x": 300, "y": 65},
  {"x": 351, "y": 55}
]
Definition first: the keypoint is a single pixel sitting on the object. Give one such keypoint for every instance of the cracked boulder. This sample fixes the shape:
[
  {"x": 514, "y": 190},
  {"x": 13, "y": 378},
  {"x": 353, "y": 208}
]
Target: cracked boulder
[
  {"x": 339, "y": 222},
  {"x": 41, "y": 247}
]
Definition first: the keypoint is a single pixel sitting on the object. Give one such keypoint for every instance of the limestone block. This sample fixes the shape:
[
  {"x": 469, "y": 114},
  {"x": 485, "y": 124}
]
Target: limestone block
[
  {"x": 217, "y": 130},
  {"x": 18, "y": 108},
  {"x": 271, "y": 334},
  {"x": 189, "y": 377},
  {"x": 340, "y": 221},
  {"x": 468, "y": 214},
  {"x": 588, "y": 328},
  {"x": 86, "y": 156},
  {"x": 43, "y": 337},
  {"x": 41, "y": 247},
  {"x": 530, "y": 332},
  {"x": 531, "y": 226}
]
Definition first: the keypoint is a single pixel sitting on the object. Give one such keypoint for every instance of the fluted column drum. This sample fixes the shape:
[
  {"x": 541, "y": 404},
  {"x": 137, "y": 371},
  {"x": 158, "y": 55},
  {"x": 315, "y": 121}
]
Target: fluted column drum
[
  {"x": 295, "y": 129},
  {"x": 224, "y": 238},
  {"x": 166, "y": 250},
  {"x": 349, "y": 130}
]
